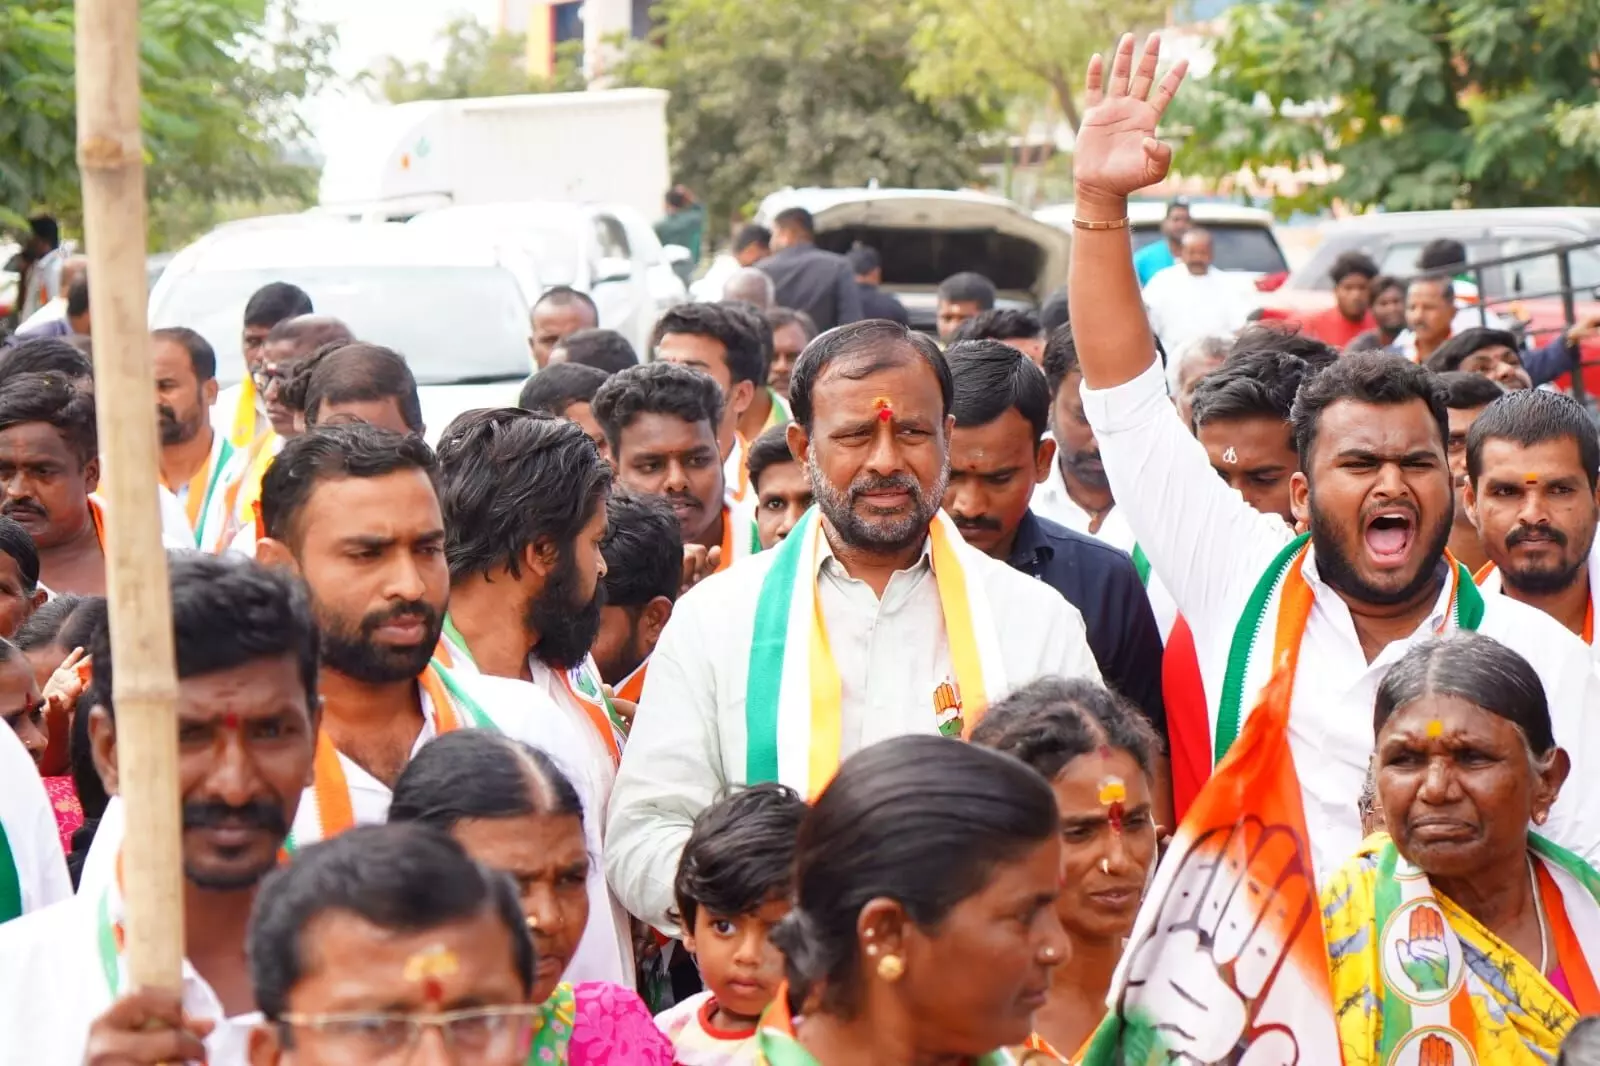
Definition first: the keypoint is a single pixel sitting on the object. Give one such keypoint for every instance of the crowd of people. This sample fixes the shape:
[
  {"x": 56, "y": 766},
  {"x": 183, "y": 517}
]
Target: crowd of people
[{"x": 813, "y": 690}]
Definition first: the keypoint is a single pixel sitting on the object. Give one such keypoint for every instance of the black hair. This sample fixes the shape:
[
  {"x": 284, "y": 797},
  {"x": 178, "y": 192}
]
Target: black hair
[
  {"x": 922, "y": 820},
  {"x": 779, "y": 317},
  {"x": 880, "y": 343},
  {"x": 78, "y": 296},
  {"x": 1051, "y": 721},
  {"x": 40, "y": 355},
  {"x": 327, "y": 453},
  {"x": 755, "y": 322},
  {"x": 17, "y": 542},
  {"x": 677, "y": 198},
  {"x": 1535, "y": 416},
  {"x": 202, "y": 357},
  {"x": 603, "y": 349},
  {"x": 353, "y": 372},
  {"x": 1463, "y": 391},
  {"x": 999, "y": 324},
  {"x": 1285, "y": 339},
  {"x": 1056, "y": 312},
  {"x": 991, "y": 378},
  {"x": 567, "y": 296},
  {"x": 1353, "y": 262},
  {"x": 1442, "y": 253},
  {"x": 1060, "y": 357},
  {"x": 275, "y": 302},
  {"x": 796, "y": 218},
  {"x": 967, "y": 287},
  {"x": 46, "y": 229},
  {"x": 44, "y": 626},
  {"x": 226, "y": 611},
  {"x": 864, "y": 258},
  {"x": 735, "y": 328},
  {"x": 510, "y": 479},
  {"x": 1259, "y": 384},
  {"x": 643, "y": 550},
  {"x": 1475, "y": 668},
  {"x": 769, "y": 449},
  {"x": 558, "y": 387},
  {"x": 740, "y": 853},
  {"x": 1374, "y": 378},
  {"x": 405, "y": 878},
  {"x": 1447, "y": 285},
  {"x": 1384, "y": 282},
  {"x": 308, "y": 333},
  {"x": 1455, "y": 351},
  {"x": 480, "y": 773},
  {"x": 751, "y": 233},
  {"x": 656, "y": 389},
  {"x": 52, "y": 399},
  {"x": 1177, "y": 203}
]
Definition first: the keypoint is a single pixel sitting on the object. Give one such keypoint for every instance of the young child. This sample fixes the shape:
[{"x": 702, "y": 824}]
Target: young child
[{"x": 733, "y": 886}]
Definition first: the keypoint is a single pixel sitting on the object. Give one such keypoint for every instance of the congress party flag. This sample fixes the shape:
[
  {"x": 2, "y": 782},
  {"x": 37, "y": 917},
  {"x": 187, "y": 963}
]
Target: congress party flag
[{"x": 1227, "y": 962}]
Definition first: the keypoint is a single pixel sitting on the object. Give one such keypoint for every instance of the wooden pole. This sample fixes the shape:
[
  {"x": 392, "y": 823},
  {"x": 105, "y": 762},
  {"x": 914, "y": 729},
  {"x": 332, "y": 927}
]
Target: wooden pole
[{"x": 110, "y": 157}]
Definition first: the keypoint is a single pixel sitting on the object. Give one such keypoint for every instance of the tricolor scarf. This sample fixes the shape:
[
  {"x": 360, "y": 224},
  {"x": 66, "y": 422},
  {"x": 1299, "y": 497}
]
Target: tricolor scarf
[
  {"x": 333, "y": 811},
  {"x": 631, "y": 687},
  {"x": 10, "y": 880},
  {"x": 1183, "y": 696},
  {"x": 740, "y": 536},
  {"x": 736, "y": 472},
  {"x": 779, "y": 414},
  {"x": 211, "y": 497},
  {"x": 793, "y": 701},
  {"x": 1283, "y": 594},
  {"x": 777, "y": 1044}
]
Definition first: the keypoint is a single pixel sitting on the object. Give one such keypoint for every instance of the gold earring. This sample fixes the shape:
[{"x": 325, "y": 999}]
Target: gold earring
[{"x": 891, "y": 968}]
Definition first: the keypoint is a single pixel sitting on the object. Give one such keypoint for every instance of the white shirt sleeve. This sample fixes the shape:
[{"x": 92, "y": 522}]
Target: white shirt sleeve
[
  {"x": 30, "y": 828},
  {"x": 1206, "y": 542},
  {"x": 671, "y": 767}
]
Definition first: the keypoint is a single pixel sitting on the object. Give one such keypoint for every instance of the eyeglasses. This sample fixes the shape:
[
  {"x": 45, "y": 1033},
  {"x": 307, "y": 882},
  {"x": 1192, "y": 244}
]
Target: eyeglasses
[
  {"x": 486, "y": 1035},
  {"x": 266, "y": 375}
]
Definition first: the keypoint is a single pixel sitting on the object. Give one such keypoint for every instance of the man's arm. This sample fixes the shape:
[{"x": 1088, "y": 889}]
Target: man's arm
[
  {"x": 847, "y": 294},
  {"x": 1554, "y": 359},
  {"x": 671, "y": 768}
]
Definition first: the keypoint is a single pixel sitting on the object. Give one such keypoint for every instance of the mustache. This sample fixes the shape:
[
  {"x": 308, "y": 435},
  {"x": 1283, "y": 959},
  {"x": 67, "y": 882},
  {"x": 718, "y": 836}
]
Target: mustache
[
  {"x": 12, "y": 507},
  {"x": 410, "y": 610},
  {"x": 686, "y": 498},
  {"x": 165, "y": 413},
  {"x": 892, "y": 483},
  {"x": 1526, "y": 533},
  {"x": 987, "y": 523},
  {"x": 260, "y": 814}
]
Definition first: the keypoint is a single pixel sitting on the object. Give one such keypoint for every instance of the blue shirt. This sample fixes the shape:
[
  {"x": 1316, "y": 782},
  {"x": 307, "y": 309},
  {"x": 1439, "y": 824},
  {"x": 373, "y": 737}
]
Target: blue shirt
[
  {"x": 1151, "y": 259},
  {"x": 1103, "y": 585}
]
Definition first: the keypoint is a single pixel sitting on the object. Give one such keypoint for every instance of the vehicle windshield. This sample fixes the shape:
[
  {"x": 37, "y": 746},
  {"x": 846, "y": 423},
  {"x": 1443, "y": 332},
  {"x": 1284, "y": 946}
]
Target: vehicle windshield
[
  {"x": 1248, "y": 248},
  {"x": 554, "y": 245},
  {"x": 453, "y": 324}
]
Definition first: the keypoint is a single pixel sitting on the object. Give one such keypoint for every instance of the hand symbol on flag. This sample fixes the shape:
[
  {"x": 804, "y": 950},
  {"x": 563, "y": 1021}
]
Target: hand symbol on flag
[
  {"x": 1201, "y": 980},
  {"x": 1421, "y": 953},
  {"x": 1436, "y": 1051}
]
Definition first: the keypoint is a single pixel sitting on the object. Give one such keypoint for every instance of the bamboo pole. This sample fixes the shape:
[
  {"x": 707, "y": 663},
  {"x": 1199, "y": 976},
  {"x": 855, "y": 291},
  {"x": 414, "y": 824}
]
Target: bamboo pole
[{"x": 110, "y": 157}]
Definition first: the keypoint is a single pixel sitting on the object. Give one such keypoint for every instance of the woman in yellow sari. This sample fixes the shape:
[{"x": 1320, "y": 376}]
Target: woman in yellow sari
[{"x": 1461, "y": 936}]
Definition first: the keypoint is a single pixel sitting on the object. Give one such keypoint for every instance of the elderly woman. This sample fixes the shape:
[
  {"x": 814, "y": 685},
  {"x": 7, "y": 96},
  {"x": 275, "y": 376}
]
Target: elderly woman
[
  {"x": 924, "y": 927},
  {"x": 1096, "y": 751},
  {"x": 1460, "y": 932}
]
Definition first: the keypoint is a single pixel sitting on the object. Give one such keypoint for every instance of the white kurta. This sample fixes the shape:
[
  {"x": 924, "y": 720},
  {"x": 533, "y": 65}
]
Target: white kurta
[
  {"x": 30, "y": 829},
  {"x": 1493, "y": 582}
]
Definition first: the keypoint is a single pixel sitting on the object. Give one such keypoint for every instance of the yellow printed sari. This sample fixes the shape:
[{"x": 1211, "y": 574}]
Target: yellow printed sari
[{"x": 1408, "y": 986}]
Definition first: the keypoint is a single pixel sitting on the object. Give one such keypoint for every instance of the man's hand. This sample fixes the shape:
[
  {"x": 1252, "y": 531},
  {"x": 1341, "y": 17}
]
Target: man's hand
[
  {"x": 66, "y": 684},
  {"x": 1117, "y": 152},
  {"x": 1586, "y": 327},
  {"x": 146, "y": 1028},
  {"x": 699, "y": 563},
  {"x": 625, "y": 709}
]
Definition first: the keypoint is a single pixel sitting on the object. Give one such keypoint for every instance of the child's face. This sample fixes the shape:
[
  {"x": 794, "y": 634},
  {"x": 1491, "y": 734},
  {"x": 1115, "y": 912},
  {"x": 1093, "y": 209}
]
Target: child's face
[{"x": 738, "y": 962}]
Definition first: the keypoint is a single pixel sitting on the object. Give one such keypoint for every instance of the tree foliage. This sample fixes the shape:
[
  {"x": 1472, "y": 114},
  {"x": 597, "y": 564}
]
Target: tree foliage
[
  {"x": 1421, "y": 104},
  {"x": 221, "y": 80},
  {"x": 769, "y": 93},
  {"x": 1020, "y": 49},
  {"x": 477, "y": 62}
]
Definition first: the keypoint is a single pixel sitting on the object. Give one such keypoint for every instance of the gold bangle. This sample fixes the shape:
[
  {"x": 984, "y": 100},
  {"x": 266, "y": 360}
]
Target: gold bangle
[{"x": 1081, "y": 223}]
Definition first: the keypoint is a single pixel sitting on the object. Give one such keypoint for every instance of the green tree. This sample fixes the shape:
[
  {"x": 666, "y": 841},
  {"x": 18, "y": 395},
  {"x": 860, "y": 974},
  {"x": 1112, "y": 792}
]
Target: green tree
[
  {"x": 1020, "y": 50},
  {"x": 1421, "y": 104},
  {"x": 221, "y": 80},
  {"x": 477, "y": 62},
  {"x": 769, "y": 93}
]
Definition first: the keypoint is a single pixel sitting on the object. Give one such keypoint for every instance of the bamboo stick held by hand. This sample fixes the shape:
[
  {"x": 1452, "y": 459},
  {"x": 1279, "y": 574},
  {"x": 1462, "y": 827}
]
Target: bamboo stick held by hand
[{"x": 110, "y": 158}]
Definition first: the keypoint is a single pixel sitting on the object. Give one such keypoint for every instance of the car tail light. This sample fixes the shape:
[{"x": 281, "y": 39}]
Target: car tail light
[{"x": 1272, "y": 282}]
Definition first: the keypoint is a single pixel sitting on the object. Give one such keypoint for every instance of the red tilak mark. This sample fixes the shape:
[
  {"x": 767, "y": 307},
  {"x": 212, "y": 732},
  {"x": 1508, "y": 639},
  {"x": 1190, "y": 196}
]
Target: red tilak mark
[
  {"x": 885, "y": 414},
  {"x": 432, "y": 990},
  {"x": 230, "y": 721},
  {"x": 1114, "y": 817}
]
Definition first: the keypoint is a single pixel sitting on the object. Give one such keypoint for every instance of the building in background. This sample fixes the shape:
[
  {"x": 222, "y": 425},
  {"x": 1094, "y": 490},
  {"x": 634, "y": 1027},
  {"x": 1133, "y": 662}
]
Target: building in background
[{"x": 548, "y": 23}]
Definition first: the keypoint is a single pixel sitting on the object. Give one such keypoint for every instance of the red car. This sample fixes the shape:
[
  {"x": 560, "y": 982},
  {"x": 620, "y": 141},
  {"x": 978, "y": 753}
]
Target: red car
[{"x": 1394, "y": 239}]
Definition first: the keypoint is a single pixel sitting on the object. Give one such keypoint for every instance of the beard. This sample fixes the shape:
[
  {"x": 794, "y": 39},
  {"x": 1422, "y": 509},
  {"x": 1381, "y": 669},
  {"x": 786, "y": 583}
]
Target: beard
[
  {"x": 1535, "y": 580},
  {"x": 174, "y": 431},
  {"x": 889, "y": 533},
  {"x": 566, "y": 626},
  {"x": 1087, "y": 469},
  {"x": 1337, "y": 568},
  {"x": 352, "y": 651}
]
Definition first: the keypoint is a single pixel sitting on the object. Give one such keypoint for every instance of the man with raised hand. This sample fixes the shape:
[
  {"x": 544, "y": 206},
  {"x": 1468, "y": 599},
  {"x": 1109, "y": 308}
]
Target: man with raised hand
[{"x": 1369, "y": 581}]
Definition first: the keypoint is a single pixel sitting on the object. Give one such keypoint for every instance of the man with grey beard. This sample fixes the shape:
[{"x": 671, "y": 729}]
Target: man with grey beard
[{"x": 872, "y": 619}]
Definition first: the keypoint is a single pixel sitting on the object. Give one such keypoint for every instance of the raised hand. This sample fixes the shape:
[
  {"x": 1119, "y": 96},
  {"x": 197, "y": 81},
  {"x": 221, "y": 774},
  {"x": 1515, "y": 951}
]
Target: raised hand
[{"x": 1117, "y": 152}]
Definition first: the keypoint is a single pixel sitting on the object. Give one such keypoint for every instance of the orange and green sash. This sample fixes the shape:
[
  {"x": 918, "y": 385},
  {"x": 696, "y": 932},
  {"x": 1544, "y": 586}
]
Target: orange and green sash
[
  {"x": 793, "y": 696},
  {"x": 1489, "y": 571},
  {"x": 740, "y": 536}
]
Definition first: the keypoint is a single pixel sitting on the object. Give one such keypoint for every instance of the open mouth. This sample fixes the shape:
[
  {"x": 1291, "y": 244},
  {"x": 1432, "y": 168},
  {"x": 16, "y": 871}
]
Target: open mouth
[{"x": 1389, "y": 536}]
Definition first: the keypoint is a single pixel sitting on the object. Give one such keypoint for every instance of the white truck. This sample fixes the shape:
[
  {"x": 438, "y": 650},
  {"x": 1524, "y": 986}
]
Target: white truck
[{"x": 601, "y": 146}]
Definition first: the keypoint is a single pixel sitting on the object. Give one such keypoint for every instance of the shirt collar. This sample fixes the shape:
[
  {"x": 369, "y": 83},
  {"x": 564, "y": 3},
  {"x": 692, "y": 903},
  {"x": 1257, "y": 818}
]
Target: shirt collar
[
  {"x": 1437, "y": 617},
  {"x": 827, "y": 562}
]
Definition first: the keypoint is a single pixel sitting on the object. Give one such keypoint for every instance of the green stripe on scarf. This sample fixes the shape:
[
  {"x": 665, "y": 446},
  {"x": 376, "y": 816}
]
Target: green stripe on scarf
[
  {"x": 767, "y": 645},
  {"x": 1244, "y": 637},
  {"x": 1396, "y": 1012},
  {"x": 1141, "y": 565},
  {"x": 10, "y": 881}
]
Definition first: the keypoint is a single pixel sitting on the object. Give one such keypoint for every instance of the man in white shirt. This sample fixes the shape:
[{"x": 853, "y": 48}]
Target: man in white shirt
[
  {"x": 1193, "y": 299},
  {"x": 247, "y": 721},
  {"x": 199, "y": 466},
  {"x": 873, "y": 618},
  {"x": 1533, "y": 459},
  {"x": 1375, "y": 491},
  {"x": 751, "y": 244}
]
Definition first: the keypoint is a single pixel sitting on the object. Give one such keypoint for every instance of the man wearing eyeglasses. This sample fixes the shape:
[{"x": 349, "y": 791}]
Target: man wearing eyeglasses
[
  {"x": 388, "y": 944},
  {"x": 240, "y": 415},
  {"x": 247, "y": 713}
]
